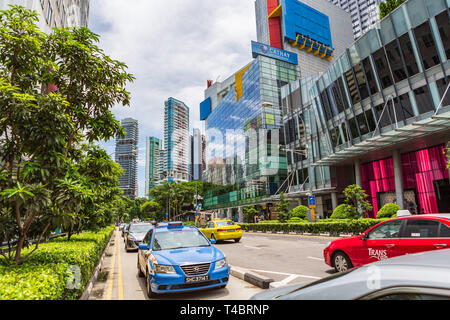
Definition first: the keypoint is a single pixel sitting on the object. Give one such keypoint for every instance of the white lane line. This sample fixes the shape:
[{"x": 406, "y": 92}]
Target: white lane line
[
  {"x": 314, "y": 258},
  {"x": 287, "y": 274},
  {"x": 288, "y": 279},
  {"x": 252, "y": 247}
]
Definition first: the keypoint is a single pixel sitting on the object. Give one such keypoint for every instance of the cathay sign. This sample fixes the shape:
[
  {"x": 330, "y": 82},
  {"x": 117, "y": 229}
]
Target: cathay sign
[{"x": 275, "y": 53}]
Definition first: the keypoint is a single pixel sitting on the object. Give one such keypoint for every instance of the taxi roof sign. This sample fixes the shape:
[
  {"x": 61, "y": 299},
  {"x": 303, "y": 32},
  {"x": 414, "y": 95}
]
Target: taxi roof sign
[{"x": 175, "y": 225}]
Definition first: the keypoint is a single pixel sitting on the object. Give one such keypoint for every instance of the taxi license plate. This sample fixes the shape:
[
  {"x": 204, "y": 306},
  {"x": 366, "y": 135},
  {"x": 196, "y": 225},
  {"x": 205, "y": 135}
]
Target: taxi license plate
[
  {"x": 231, "y": 230},
  {"x": 197, "y": 279}
]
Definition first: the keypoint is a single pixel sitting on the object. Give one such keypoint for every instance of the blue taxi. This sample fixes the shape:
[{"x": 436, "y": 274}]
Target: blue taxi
[{"x": 175, "y": 258}]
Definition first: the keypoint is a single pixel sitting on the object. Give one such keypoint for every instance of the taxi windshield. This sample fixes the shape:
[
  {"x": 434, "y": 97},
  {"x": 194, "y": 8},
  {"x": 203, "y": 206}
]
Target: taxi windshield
[
  {"x": 179, "y": 239},
  {"x": 140, "y": 228},
  {"x": 224, "y": 223}
]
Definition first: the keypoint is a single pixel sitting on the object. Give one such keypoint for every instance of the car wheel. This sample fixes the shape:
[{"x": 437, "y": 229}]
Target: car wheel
[
  {"x": 140, "y": 273},
  {"x": 237, "y": 240},
  {"x": 150, "y": 293},
  {"x": 341, "y": 262}
]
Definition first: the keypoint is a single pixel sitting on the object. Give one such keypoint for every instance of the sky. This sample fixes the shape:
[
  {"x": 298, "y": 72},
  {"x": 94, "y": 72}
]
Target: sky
[{"x": 172, "y": 47}]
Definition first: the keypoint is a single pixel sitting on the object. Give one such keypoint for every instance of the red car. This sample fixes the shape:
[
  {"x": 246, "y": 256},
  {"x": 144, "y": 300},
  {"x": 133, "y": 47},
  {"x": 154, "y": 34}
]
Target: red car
[{"x": 390, "y": 238}]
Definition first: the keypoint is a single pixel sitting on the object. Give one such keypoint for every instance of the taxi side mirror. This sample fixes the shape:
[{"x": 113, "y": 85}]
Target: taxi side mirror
[
  {"x": 143, "y": 246},
  {"x": 213, "y": 241},
  {"x": 364, "y": 237}
]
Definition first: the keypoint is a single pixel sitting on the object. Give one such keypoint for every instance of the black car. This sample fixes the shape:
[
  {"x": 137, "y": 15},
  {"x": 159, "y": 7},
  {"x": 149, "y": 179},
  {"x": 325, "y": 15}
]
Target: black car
[{"x": 135, "y": 234}]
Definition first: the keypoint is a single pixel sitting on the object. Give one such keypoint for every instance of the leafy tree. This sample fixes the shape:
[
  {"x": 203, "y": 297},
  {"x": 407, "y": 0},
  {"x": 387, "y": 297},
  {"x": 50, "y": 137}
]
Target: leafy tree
[
  {"x": 300, "y": 212},
  {"x": 249, "y": 213},
  {"x": 56, "y": 92},
  {"x": 283, "y": 208},
  {"x": 355, "y": 198},
  {"x": 152, "y": 210},
  {"x": 389, "y": 6}
]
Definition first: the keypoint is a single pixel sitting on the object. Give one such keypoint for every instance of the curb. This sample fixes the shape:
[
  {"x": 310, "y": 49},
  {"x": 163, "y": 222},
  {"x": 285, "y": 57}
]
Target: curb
[
  {"x": 250, "y": 277},
  {"x": 90, "y": 285}
]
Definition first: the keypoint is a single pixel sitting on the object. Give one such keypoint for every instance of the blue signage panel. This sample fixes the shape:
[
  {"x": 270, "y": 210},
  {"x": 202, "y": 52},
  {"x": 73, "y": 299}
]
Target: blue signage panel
[
  {"x": 312, "y": 200},
  {"x": 275, "y": 53},
  {"x": 298, "y": 18},
  {"x": 205, "y": 109}
]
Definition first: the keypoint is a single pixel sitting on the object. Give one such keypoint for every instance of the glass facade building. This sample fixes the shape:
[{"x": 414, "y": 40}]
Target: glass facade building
[
  {"x": 243, "y": 136},
  {"x": 153, "y": 148},
  {"x": 176, "y": 141},
  {"x": 379, "y": 116},
  {"x": 126, "y": 156}
]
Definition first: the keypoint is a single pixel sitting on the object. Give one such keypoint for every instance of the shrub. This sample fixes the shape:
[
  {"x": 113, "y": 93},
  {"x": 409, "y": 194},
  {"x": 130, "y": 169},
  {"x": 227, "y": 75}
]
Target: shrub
[
  {"x": 388, "y": 211},
  {"x": 45, "y": 275},
  {"x": 189, "y": 224},
  {"x": 300, "y": 212},
  {"x": 344, "y": 211},
  {"x": 336, "y": 227}
]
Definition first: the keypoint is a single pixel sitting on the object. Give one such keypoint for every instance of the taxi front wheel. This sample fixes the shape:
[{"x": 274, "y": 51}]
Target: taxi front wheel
[
  {"x": 150, "y": 293},
  {"x": 341, "y": 262}
]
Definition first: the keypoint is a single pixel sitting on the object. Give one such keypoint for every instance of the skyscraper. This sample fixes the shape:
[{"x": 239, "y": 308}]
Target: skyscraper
[
  {"x": 153, "y": 148},
  {"x": 126, "y": 156},
  {"x": 55, "y": 13},
  {"x": 197, "y": 155},
  {"x": 176, "y": 141},
  {"x": 365, "y": 14}
]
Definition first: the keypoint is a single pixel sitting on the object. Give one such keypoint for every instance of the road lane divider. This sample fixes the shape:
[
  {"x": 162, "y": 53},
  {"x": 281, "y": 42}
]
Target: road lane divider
[{"x": 250, "y": 277}]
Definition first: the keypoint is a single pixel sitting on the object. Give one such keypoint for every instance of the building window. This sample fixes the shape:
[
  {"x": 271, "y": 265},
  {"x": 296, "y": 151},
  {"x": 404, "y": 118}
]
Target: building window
[
  {"x": 424, "y": 100},
  {"x": 443, "y": 21},
  {"x": 370, "y": 76},
  {"x": 353, "y": 128},
  {"x": 361, "y": 81},
  {"x": 395, "y": 60},
  {"x": 427, "y": 47},
  {"x": 408, "y": 54},
  {"x": 352, "y": 87},
  {"x": 442, "y": 86},
  {"x": 382, "y": 67}
]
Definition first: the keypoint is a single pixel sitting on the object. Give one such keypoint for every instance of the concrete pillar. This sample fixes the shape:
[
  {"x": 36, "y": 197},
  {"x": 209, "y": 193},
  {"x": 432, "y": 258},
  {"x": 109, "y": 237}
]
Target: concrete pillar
[
  {"x": 241, "y": 214},
  {"x": 398, "y": 178},
  {"x": 358, "y": 179},
  {"x": 229, "y": 213},
  {"x": 334, "y": 200}
]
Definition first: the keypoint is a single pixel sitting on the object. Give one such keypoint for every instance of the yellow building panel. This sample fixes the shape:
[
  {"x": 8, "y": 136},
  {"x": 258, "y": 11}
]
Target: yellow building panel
[{"x": 238, "y": 81}]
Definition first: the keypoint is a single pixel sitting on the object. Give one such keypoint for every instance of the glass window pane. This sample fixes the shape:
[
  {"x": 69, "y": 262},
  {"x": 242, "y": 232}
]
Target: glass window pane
[
  {"x": 353, "y": 128},
  {"x": 387, "y": 230},
  {"x": 436, "y": 6},
  {"x": 416, "y": 11},
  {"x": 370, "y": 120},
  {"x": 361, "y": 81},
  {"x": 352, "y": 87},
  {"x": 421, "y": 228},
  {"x": 386, "y": 30},
  {"x": 443, "y": 23},
  {"x": 399, "y": 21},
  {"x": 424, "y": 100},
  {"x": 442, "y": 87},
  {"x": 395, "y": 60},
  {"x": 363, "y": 127},
  {"x": 370, "y": 76},
  {"x": 408, "y": 54},
  {"x": 427, "y": 46},
  {"x": 382, "y": 68}
]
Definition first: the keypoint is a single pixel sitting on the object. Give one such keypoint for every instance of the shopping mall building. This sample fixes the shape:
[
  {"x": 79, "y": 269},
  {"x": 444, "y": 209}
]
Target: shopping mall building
[
  {"x": 243, "y": 113},
  {"x": 378, "y": 117}
]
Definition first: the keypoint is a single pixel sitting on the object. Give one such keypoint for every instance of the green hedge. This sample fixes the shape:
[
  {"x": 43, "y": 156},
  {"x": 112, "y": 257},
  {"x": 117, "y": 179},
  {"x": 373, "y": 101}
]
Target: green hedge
[
  {"x": 46, "y": 274},
  {"x": 334, "y": 227}
]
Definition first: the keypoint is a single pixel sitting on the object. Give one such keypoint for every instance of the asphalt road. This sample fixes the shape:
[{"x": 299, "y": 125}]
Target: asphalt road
[
  {"x": 285, "y": 258},
  {"x": 122, "y": 281}
]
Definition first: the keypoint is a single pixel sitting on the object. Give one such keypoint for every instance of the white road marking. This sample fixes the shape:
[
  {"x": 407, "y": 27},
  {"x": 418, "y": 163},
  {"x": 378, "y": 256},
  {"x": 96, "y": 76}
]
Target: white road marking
[
  {"x": 314, "y": 258},
  {"x": 287, "y": 274},
  {"x": 252, "y": 247},
  {"x": 289, "y": 279}
]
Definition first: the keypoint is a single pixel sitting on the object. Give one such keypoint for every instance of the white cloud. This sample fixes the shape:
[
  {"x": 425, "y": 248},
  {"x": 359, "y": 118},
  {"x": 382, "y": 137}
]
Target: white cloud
[{"x": 172, "y": 47}]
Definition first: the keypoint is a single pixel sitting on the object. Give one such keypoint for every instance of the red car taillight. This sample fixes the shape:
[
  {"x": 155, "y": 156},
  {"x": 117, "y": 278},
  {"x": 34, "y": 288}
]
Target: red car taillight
[{"x": 238, "y": 229}]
